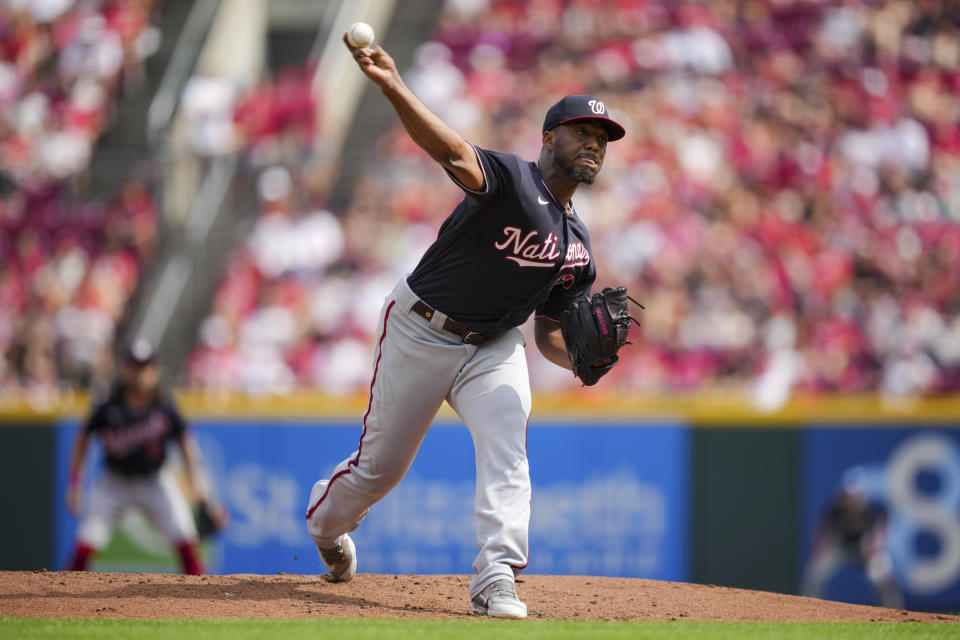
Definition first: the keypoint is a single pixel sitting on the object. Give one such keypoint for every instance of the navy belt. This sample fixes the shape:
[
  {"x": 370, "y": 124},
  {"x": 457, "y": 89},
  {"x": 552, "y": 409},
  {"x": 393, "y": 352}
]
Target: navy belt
[{"x": 462, "y": 331}]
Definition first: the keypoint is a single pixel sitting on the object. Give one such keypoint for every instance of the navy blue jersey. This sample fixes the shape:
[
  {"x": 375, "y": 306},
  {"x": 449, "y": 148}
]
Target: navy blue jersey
[
  {"x": 135, "y": 442},
  {"x": 506, "y": 251}
]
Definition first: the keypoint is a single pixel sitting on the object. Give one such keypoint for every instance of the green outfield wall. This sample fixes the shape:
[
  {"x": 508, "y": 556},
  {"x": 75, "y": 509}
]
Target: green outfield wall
[
  {"x": 26, "y": 478},
  {"x": 744, "y": 528}
]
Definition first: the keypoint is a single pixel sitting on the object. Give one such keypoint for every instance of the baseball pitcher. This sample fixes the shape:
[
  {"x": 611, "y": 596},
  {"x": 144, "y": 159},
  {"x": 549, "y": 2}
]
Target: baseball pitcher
[{"x": 448, "y": 332}]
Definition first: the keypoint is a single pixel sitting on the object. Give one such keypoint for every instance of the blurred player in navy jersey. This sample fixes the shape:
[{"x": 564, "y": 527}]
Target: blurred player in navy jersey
[
  {"x": 134, "y": 424},
  {"x": 852, "y": 531}
]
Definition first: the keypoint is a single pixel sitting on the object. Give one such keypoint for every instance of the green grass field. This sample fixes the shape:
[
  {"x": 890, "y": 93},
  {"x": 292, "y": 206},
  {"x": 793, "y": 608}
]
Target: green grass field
[{"x": 61, "y": 628}]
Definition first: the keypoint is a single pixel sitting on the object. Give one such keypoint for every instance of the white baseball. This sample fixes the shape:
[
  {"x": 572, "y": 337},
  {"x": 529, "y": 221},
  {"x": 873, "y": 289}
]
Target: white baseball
[{"x": 360, "y": 34}]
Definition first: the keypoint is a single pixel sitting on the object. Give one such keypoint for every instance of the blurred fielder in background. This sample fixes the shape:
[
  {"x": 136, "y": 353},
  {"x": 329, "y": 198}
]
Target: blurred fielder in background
[
  {"x": 134, "y": 424},
  {"x": 852, "y": 531}
]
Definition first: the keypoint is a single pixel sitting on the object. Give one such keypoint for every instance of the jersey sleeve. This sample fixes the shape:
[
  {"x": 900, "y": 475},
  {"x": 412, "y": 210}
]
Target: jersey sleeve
[
  {"x": 97, "y": 418},
  {"x": 500, "y": 172},
  {"x": 560, "y": 298},
  {"x": 178, "y": 426}
]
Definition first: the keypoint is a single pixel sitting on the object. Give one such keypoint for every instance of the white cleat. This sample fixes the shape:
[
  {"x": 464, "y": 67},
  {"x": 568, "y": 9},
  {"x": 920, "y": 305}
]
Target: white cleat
[
  {"x": 499, "y": 600},
  {"x": 341, "y": 560}
]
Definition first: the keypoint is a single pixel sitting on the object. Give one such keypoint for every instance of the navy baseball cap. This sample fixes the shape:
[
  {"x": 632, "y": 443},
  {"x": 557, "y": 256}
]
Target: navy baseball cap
[
  {"x": 140, "y": 352},
  {"x": 572, "y": 108}
]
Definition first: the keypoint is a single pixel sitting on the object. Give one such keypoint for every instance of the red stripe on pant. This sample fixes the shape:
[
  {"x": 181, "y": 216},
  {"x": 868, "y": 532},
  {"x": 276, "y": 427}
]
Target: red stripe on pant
[{"x": 356, "y": 460}]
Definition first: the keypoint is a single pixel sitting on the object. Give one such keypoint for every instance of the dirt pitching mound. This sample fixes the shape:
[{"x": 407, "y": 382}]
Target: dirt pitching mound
[{"x": 147, "y": 595}]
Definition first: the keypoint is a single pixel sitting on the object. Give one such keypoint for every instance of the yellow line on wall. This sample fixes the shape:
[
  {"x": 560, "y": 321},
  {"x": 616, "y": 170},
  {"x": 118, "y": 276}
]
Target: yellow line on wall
[{"x": 720, "y": 409}]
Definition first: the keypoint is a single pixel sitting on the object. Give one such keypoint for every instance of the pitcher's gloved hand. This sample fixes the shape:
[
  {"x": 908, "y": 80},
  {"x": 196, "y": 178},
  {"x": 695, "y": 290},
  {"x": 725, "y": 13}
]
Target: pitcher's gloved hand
[
  {"x": 210, "y": 518},
  {"x": 593, "y": 331}
]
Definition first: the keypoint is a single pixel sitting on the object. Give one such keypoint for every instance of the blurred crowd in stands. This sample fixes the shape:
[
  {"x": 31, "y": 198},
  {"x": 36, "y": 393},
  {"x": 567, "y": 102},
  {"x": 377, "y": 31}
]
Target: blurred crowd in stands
[
  {"x": 272, "y": 121},
  {"x": 67, "y": 267},
  {"x": 299, "y": 303},
  {"x": 61, "y": 68},
  {"x": 786, "y": 202}
]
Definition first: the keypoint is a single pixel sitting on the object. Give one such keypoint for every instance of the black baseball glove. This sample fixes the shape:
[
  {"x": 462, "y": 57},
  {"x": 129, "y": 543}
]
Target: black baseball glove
[
  {"x": 593, "y": 331},
  {"x": 210, "y": 519}
]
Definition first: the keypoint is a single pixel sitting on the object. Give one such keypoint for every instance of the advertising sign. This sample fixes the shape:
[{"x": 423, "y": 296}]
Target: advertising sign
[{"x": 608, "y": 499}]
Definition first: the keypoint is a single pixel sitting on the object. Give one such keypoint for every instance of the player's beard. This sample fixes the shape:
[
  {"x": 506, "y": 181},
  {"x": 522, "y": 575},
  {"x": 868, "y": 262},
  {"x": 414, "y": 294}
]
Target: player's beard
[{"x": 578, "y": 174}]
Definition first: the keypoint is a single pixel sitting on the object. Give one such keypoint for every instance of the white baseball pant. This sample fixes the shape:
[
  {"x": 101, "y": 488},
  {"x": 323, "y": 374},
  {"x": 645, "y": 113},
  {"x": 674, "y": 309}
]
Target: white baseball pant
[
  {"x": 156, "y": 494},
  {"x": 416, "y": 367}
]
